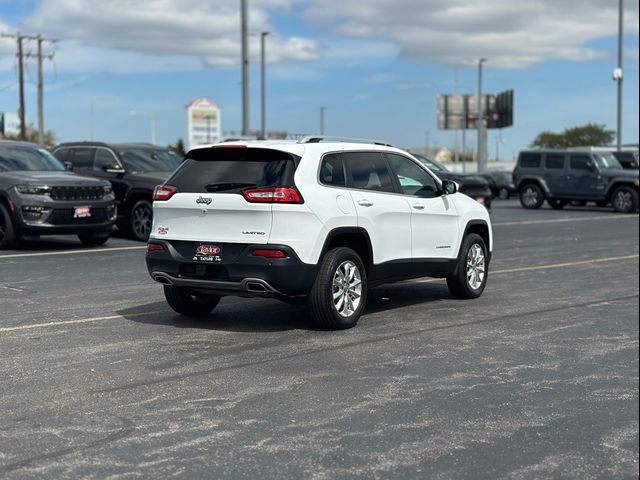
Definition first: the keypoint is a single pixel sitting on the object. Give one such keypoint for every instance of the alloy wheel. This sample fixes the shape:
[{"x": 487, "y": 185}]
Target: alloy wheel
[
  {"x": 141, "y": 221},
  {"x": 530, "y": 197},
  {"x": 623, "y": 200},
  {"x": 347, "y": 288},
  {"x": 475, "y": 266}
]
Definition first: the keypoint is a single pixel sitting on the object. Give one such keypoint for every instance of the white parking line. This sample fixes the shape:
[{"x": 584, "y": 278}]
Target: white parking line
[
  {"x": 71, "y": 252},
  {"x": 563, "y": 220},
  {"x": 73, "y": 322}
]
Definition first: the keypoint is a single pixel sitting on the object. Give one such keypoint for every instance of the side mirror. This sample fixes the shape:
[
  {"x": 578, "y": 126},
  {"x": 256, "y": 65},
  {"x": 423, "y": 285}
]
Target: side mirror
[
  {"x": 449, "y": 187},
  {"x": 113, "y": 168},
  {"x": 68, "y": 165}
]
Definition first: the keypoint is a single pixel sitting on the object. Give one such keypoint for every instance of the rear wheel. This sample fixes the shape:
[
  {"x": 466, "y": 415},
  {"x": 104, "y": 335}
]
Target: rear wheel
[
  {"x": 94, "y": 239},
  {"x": 140, "y": 220},
  {"x": 531, "y": 196},
  {"x": 185, "y": 302},
  {"x": 503, "y": 193},
  {"x": 557, "y": 204},
  {"x": 624, "y": 200},
  {"x": 7, "y": 232},
  {"x": 338, "y": 296},
  {"x": 470, "y": 276}
]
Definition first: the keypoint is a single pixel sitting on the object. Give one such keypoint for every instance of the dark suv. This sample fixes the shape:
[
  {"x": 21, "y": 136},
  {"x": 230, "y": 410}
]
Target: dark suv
[
  {"x": 133, "y": 169},
  {"x": 576, "y": 177},
  {"x": 38, "y": 197}
]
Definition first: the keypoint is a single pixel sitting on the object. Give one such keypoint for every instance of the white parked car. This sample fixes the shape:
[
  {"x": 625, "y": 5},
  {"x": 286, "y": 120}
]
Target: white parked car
[{"x": 320, "y": 218}]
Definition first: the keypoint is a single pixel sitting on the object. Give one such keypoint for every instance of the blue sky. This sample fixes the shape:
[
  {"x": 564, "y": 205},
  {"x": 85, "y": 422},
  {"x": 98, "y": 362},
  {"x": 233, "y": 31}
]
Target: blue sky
[{"x": 378, "y": 66}]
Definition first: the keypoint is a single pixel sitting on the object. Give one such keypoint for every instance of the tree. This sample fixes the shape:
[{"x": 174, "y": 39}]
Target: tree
[
  {"x": 32, "y": 136},
  {"x": 591, "y": 134},
  {"x": 178, "y": 148}
]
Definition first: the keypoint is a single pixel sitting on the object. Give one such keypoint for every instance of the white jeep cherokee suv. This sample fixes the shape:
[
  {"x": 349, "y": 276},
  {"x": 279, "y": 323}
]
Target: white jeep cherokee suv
[{"x": 316, "y": 218}]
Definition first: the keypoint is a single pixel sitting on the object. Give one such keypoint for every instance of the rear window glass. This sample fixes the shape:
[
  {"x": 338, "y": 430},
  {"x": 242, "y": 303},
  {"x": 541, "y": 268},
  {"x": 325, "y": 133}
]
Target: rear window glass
[
  {"x": 332, "y": 171},
  {"x": 530, "y": 160},
  {"x": 231, "y": 170}
]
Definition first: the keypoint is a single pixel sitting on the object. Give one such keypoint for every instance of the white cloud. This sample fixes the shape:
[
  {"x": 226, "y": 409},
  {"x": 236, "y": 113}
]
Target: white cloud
[
  {"x": 511, "y": 33},
  {"x": 208, "y": 31}
]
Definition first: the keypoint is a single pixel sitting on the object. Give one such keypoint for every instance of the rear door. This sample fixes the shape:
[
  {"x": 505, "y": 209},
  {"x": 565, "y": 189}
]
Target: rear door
[
  {"x": 381, "y": 211},
  {"x": 210, "y": 202},
  {"x": 554, "y": 173}
]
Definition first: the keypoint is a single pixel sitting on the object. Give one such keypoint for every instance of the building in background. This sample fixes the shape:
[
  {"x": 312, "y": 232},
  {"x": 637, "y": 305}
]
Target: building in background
[{"x": 203, "y": 122}]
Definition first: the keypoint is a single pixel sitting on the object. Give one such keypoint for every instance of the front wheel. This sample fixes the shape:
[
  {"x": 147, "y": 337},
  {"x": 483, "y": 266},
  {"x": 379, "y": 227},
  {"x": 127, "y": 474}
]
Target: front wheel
[
  {"x": 339, "y": 294},
  {"x": 140, "y": 220},
  {"x": 7, "y": 233},
  {"x": 93, "y": 239},
  {"x": 182, "y": 300},
  {"x": 503, "y": 194},
  {"x": 531, "y": 196},
  {"x": 470, "y": 276},
  {"x": 624, "y": 200}
]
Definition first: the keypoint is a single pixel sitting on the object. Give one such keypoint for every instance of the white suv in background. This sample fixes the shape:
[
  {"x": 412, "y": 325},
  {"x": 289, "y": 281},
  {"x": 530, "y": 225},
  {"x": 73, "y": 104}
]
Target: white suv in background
[{"x": 319, "y": 218}]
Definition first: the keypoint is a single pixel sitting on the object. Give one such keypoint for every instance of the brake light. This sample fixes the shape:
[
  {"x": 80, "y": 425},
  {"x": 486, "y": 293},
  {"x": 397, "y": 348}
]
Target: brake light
[
  {"x": 273, "y": 195},
  {"x": 163, "y": 192},
  {"x": 269, "y": 253},
  {"x": 155, "y": 247}
]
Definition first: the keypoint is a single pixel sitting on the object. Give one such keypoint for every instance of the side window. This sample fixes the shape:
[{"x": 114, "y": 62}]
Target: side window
[
  {"x": 368, "y": 171},
  {"x": 61, "y": 154},
  {"x": 81, "y": 158},
  {"x": 413, "y": 179},
  {"x": 530, "y": 160},
  {"x": 580, "y": 162},
  {"x": 554, "y": 161},
  {"x": 103, "y": 158},
  {"x": 332, "y": 170}
]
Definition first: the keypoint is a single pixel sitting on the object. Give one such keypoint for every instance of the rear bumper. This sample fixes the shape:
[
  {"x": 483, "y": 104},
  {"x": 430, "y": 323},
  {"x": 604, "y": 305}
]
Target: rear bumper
[{"x": 239, "y": 273}]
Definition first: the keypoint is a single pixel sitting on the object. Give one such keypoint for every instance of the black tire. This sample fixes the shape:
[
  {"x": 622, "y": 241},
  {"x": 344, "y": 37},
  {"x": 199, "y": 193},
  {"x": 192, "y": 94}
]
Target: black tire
[
  {"x": 93, "y": 239},
  {"x": 140, "y": 220},
  {"x": 556, "y": 204},
  {"x": 624, "y": 200},
  {"x": 459, "y": 284},
  {"x": 324, "y": 312},
  {"x": 7, "y": 232},
  {"x": 531, "y": 196},
  {"x": 183, "y": 301},
  {"x": 503, "y": 194}
]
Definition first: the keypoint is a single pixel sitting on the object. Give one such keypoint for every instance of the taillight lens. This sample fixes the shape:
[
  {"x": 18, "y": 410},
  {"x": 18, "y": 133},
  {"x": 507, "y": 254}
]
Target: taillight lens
[
  {"x": 163, "y": 192},
  {"x": 269, "y": 253},
  {"x": 273, "y": 195},
  {"x": 155, "y": 247}
]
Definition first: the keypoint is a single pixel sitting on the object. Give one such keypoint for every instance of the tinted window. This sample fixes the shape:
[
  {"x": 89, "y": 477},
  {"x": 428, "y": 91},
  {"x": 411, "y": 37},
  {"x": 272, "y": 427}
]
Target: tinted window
[
  {"x": 81, "y": 158},
  {"x": 554, "y": 161},
  {"x": 413, "y": 179},
  {"x": 231, "y": 170},
  {"x": 26, "y": 158},
  {"x": 369, "y": 171},
  {"x": 148, "y": 160},
  {"x": 332, "y": 170},
  {"x": 530, "y": 160},
  {"x": 627, "y": 159},
  {"x": 61, "y": 154},
  {"x": 103, "y": 159},
  {"x": 580, "y": 162}
]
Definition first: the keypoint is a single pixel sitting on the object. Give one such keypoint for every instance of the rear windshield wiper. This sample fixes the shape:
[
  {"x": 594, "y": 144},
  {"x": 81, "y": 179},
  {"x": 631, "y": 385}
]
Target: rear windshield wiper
[{"x": 218, "y": 187}]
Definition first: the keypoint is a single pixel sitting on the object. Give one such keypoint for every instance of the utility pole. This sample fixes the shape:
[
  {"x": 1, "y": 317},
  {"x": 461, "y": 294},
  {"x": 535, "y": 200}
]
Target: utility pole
[
  {"x": 245, "y": 67},
  {"x": 19, "y": 38},
  {"x": 39, "y": 55},
  {"x": 617, "y": 75}
]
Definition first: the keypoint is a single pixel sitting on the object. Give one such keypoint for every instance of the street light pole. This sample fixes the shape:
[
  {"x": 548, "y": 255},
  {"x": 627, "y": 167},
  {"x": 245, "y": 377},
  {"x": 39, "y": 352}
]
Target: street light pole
[
  {"x": 480, "y": 122},
  {"x": 263, "y": 128},
  {"x": 245, "y": 67},
  {"x": 322, "y": 109},
  {"x": 618, "y": 74}
]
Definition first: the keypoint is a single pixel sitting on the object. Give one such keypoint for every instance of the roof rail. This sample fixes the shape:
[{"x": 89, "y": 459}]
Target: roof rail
[{"x": 329, "y": 138}]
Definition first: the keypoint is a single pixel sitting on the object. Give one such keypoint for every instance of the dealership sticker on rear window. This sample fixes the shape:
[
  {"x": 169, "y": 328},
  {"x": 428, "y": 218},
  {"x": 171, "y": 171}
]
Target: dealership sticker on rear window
[
  {"x": 82, "y": 212},
  {"x": 207, "y": 252}
]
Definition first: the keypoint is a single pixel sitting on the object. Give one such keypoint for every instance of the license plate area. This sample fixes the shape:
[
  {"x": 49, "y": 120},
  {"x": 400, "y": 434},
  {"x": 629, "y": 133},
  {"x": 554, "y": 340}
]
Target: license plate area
[
  {"x": 208, "y": 253},
  {"x": 82, "y": 212}
]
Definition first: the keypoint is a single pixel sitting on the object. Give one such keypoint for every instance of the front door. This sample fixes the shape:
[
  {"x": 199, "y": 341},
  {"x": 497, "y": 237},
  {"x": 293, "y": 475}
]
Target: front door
[{"x": 582, "y": 177}]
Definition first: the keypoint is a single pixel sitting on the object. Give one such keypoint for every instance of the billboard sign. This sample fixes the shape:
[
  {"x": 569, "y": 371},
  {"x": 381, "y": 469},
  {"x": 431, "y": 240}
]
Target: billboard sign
[
  {"x": 203, "y": 122},
  {"x": 458, "y": 112}
]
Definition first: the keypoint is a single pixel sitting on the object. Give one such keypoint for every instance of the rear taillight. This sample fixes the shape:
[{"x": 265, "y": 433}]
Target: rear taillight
[
  {"x": 273, "y": 195},
  {"x": 269, "y": 253},
  {"x": 155, "y": 247},
  {"x": 163, "y": 192}
]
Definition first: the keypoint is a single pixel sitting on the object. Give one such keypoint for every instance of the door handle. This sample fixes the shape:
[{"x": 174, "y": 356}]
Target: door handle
[
  {"x": 418, "y": 206},
  {"x": 365, "y": 203}
]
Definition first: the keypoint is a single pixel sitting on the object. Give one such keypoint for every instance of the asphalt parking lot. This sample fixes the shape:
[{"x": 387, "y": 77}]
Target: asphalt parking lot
[{"x": 536, "y": 379}]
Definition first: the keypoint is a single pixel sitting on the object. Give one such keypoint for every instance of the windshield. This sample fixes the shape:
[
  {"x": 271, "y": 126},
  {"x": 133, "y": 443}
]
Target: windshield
[
  {"x": 431, "y": 165},
  {"x": 607, "y": 160},
  {"x": 22, "y": 158},
  {"x": 148, "y": 160}
]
